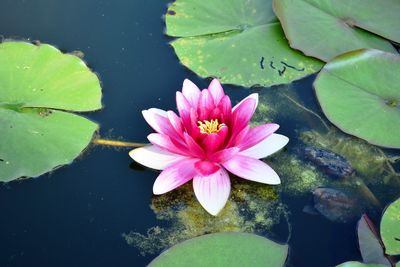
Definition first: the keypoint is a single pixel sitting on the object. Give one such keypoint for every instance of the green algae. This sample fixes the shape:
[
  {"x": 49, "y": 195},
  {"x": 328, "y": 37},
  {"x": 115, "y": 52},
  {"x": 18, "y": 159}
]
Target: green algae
[
  {"x": 298, "y": 177},
  {"x": 252, "y": 208},
  {"x": 368, "y": 160}
]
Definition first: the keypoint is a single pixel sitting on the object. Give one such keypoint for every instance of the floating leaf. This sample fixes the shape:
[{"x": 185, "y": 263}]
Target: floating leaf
[
  {"x": 370, "y": 245},
  {"x": 359, "y": 264},
  {"x": 39, "y": 86},
  {"x": 358, "y": 92},
  {"x": 390, "y": 228},
  {"x": 238, "y": 42},
  {"x": 224, "y": 249},
  {"x": 325, "y": 29}
]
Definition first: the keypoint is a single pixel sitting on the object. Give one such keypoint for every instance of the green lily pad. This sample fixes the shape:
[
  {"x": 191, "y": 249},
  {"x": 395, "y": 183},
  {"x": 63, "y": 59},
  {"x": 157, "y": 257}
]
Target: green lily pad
[
  {"x": 224, "y": 249},
  {"x": 325, "y": 29},
  {"x": 369, "y": 242},
  {"x": 39, "y": 87},
  {"x": 390, "y": 228},
  {"x": 239, "y": 42},
  {"x": 359, "y": 93},
  {"x": 359, "y": 264}
]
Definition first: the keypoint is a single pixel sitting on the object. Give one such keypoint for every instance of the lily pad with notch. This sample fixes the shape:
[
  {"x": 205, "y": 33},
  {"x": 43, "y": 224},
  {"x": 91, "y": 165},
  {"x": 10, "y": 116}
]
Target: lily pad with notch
[
  {"x": 40, "y": 87},
  {"x": 325, "y": 29},
  {"x": 239, "y": 42},
  {"x": 358, "y": 92},
  {"x": 224, "y": 249}
]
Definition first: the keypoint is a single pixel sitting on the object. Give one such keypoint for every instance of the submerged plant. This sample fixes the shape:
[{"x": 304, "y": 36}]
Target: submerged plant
[
  {"x": 251, "y": 208},
  {"x": 208, "y": 137}
]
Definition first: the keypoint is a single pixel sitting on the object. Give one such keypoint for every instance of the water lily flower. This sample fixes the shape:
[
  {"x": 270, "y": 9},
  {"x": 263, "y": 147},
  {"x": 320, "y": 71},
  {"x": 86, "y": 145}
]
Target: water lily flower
[{"x": 206, "y": 140}]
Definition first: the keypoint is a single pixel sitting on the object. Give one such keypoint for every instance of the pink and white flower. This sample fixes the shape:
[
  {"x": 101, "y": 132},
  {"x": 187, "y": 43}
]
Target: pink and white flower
[{"x": 206, "y": 140}]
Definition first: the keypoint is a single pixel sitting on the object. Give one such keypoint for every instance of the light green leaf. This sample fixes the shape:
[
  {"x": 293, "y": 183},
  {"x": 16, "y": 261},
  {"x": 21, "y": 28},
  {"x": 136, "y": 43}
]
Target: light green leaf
[
  {"x": 39, "y": 87},
  {"x": 239, "y": 42},
  {"x": 358, "y": 92},
  {"x": 359, "y": 264},
  {"x": 325, "y": 28},
  {"x": 390, "y": 228},
  {"x": 224, "y": 249}
]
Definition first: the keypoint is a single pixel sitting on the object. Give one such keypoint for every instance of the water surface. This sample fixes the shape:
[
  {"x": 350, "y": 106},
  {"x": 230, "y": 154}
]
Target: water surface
[{"x": 75, "y": 216}]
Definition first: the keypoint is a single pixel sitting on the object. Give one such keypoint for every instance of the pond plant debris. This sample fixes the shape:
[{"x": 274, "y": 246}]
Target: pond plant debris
[
  {"x": 208, "y": 138},
  {"x": 251, "y": 208}
]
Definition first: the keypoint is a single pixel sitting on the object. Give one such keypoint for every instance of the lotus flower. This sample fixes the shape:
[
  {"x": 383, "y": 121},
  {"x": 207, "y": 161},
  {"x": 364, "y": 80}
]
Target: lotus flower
[{"x": 206, "y": 140}]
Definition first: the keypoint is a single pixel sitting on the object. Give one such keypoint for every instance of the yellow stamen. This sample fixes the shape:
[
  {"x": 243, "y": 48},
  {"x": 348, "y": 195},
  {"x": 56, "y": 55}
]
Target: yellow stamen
[{"x": 209, "y": 127}]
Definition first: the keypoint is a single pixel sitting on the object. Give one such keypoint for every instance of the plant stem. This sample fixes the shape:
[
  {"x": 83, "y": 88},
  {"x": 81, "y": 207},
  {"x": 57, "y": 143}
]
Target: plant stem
[
  {"x": 368, "y": 193},
  {"x": 107, "y": 142},
  {"x": 307, "y": 110}
]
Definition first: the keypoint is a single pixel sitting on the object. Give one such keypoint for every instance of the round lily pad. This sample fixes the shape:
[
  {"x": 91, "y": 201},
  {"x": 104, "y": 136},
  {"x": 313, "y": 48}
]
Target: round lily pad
[
  {"x": 359, "y": 93},
  {"x": 224, "y": 249},
  {"x": 325, "y": 28},
  {"x": 390, "y": 228},
  {"x": 238, "y": 42},
  {"x": 39, "y": 88}
]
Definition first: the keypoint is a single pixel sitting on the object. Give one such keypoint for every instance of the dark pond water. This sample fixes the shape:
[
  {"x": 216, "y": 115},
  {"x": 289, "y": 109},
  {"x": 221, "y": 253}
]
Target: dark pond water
[{"x": 75, "y": 216}]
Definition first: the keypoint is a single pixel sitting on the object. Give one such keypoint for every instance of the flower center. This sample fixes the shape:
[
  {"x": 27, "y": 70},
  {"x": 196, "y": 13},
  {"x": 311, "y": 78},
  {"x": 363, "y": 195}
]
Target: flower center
[{"x": 209, "y": 127}]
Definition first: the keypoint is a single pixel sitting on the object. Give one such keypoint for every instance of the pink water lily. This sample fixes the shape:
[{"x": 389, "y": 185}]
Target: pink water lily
[{"x": 206, "y": 139}]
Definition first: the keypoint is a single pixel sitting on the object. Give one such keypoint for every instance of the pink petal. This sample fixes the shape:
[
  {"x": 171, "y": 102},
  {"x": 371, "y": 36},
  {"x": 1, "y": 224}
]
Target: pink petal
[
  {"x": 193, "y": 148},
  {"x": 174, "y": 176},
  {"x": 267, "y": 147},
  {"x": 158, "y": 111},
  {"x": 205, "y": 167},
  {"x": 183, "y": 107},
  {"x": 160, "y": 123},
  {"x": 164, "y": 142},
  {"x": 212, "y": 191},
  {"x": 154, "y": 157},
  {"x": 213, "y": 142},
  {"x": 224, "y": 155},
  {"x": 191, "y": 92},
  {"x": 226, "y": 109},
  {"x": 216, "y": 91},
  {"x": 237, "y": 137},
  {"x": 175, "y": 122},
  {"x": 258, "y": 134},
  {"x": 194, "y": 129},
  {"x": 252, "y": 96},
  {"x": 243, "y": 112},
  {"x": 206, "y": 105},
  {"x": 252, "y": 169}
]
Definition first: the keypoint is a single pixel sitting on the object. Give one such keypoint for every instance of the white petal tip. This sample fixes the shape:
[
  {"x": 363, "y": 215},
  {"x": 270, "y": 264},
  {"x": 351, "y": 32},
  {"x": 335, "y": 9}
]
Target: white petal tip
[
  {"x": 254, "y": 95},
  {"x": 158, "y": 189},
  {"x": 213, "y": 210},
  {"x": 189, "y": 84},
  {"x": 157, "y": 192},
  {"x": 276, "y": 181},
  {"x": 132, "y": 153}
]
